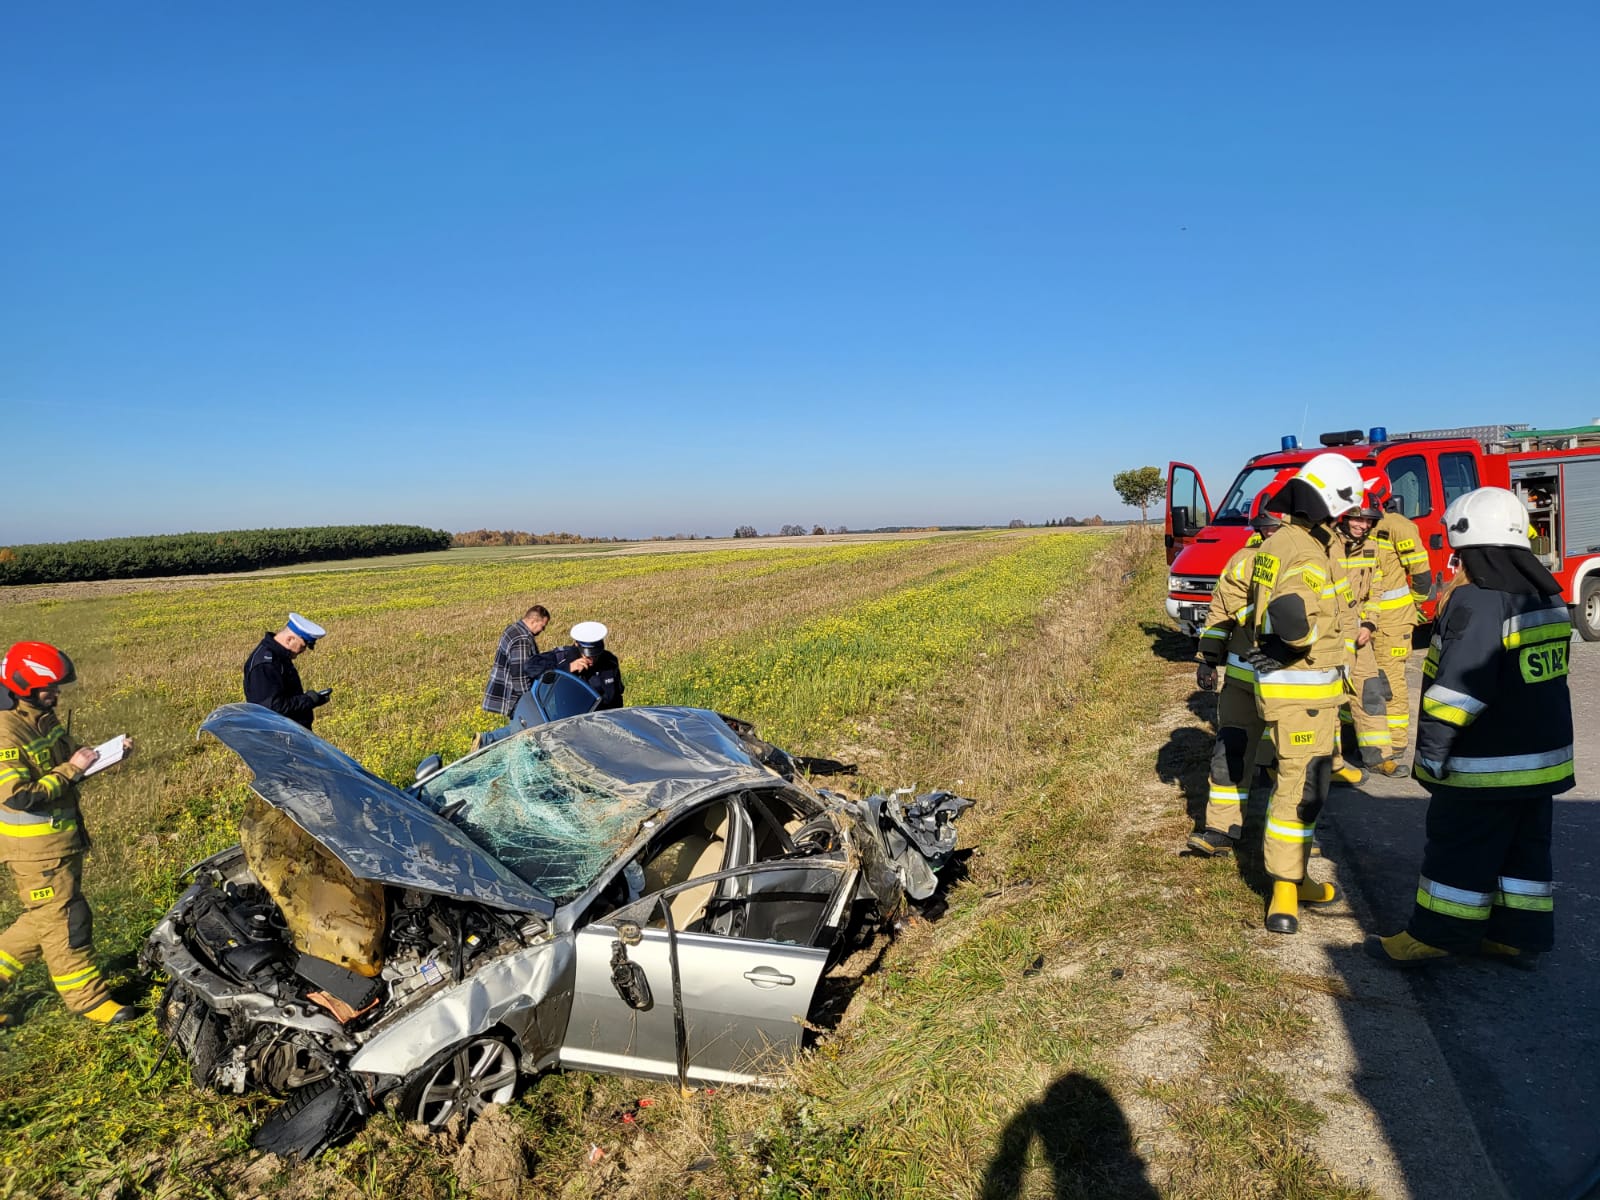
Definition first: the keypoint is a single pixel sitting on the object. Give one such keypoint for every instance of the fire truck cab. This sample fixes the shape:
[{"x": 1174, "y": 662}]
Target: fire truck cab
[{"x": 1556, "y": 472}]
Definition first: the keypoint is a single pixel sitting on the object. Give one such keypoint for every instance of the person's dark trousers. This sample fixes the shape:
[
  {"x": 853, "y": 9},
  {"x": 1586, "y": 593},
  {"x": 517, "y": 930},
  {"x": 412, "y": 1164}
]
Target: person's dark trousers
[{"x": 1486, "y": 874}]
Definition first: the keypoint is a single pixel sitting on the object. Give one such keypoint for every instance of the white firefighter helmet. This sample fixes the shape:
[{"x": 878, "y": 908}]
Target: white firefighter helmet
[
  {"x": 1325, "y": 488},
  {"x": 1490, "y": 516}
]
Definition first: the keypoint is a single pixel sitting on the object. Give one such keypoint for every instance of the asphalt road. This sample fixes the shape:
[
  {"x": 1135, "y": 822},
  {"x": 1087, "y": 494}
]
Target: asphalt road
[{"x": 1524, "y": 1047}]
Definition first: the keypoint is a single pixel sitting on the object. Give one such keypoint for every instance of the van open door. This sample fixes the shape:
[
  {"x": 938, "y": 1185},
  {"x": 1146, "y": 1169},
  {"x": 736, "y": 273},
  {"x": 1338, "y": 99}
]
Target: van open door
[{"x": 1188, "y": 507}]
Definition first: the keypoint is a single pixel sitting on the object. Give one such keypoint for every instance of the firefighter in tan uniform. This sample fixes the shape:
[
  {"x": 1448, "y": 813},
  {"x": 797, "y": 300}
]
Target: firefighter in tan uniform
[
  {"x": 1299, "y": 659},
  {"x": 41, "y": 833},
  {"x": 1367, "y": 708},
  {"x": 1400, "y": 583},
  {"x": 1226, "y": 642}
]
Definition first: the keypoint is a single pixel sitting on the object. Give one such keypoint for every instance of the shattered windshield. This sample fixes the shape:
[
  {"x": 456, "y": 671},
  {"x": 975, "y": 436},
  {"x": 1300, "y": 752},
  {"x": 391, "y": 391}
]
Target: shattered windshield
[
  {"x": 558, "y": 802},
  {"x": 555, "y": 826}
]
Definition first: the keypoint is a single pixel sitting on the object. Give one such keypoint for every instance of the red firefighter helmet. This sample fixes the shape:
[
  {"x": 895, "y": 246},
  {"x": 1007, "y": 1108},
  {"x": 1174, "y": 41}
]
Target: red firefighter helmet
[
  {"x": 1261, "y": 520},
  {"x": 29, "y": 666},
  {"x": 1376, "y": 483}
]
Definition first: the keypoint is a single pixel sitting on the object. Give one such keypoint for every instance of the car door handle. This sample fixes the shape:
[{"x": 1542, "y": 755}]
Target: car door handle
[{"x": 766, "y": 977}]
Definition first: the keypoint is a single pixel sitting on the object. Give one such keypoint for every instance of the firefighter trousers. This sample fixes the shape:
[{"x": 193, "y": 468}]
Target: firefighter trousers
[
  {"x": 1486, "y": 873},
  {"x": 1235, "y": 755},
  {"x": 1304, "y": 741},
  {"x": 1393, "y": 650},
  {"x": 55, "y": 925},
  {"x": 1368, "y": 710}
]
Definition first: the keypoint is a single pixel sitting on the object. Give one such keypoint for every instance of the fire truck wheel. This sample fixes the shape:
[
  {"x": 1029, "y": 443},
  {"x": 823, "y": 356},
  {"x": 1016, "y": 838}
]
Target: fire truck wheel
[{"x": 1587, "y": 614}]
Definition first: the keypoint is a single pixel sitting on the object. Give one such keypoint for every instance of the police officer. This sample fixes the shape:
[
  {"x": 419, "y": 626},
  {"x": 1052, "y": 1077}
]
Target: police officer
[
  {"x": 42, "y": 838},
  {"x": 1400, "y": 584},
  {"x": 1295, "y": 593},
  {"x": 1367, "y": 710},
  {"x": 590, "y": 661},
  {"x": 271, "y": 678},
  {"x": 1225, "y": 641},
  {"x": 1494, "y": 746}
]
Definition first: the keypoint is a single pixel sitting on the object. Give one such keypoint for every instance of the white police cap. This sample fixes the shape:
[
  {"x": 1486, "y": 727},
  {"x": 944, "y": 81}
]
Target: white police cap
[
  {"x": 587, "y": 633},
  {"x": 306, "y": 630}
]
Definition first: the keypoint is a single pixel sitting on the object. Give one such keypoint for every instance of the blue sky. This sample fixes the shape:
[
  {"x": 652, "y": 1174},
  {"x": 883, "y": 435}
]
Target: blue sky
[{"x": 645, "y": 268}]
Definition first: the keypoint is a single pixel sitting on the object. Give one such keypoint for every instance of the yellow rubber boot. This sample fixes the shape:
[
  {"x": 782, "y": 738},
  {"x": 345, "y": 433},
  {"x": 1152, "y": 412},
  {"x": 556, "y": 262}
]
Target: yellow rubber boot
[
  {"x": 1350, "y": 775},
  {"x": 1403, "y": 950},
  {"x": 110, "y": 1012},
  {"x": 1283, "y": 913},
  {"x": 1312, "y": 892}
]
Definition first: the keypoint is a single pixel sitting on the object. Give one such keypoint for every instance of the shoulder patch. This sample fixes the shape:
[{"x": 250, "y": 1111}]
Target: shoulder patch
[
  {"x": 1381, "y": 535},
  {"x": 1405, "y": 544},
  {"x": 1314, "y": 577},
  {"x": 10, "y": 754}
]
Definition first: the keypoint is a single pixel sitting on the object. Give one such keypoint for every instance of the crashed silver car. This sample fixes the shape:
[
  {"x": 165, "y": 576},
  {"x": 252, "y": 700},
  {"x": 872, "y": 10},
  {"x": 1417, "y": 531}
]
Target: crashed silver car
[{"x": 650, "y": 891}]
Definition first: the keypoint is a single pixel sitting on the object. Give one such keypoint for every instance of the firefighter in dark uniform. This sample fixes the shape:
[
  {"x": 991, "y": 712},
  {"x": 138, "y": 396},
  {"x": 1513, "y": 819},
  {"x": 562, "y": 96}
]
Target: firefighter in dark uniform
[
  {"x": 590, "y": 661},
  {"x": 1494, "y": 746},
  {"x": 271, "y": 678},
  {"x": 42, "y": 838}
]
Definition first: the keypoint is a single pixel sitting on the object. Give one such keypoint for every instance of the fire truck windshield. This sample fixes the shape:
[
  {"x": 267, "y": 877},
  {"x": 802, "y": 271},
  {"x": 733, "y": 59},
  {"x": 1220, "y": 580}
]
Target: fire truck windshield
[{"x": 1235, "y": 509}]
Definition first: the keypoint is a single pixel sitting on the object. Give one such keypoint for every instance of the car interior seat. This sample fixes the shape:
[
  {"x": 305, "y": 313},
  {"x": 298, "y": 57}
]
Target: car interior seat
[{"x": 699, "y": 848}]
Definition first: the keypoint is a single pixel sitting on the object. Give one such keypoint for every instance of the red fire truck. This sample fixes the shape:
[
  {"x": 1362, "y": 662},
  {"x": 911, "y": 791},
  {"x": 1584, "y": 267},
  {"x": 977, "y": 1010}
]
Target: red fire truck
[{"x": 1556, "y": 472}]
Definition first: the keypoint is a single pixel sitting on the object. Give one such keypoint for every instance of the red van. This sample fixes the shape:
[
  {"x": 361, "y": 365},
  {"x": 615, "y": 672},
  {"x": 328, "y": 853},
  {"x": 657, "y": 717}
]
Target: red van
[{"x": 1556, "y": 472}]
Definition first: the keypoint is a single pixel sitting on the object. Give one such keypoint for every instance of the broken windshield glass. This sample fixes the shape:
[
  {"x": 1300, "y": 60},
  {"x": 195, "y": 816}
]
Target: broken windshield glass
[{"x": 559, "y": 802}]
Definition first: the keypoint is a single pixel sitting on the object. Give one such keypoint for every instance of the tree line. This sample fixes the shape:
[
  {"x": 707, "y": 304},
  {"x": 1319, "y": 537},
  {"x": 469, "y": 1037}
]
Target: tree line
[{"x": 208, "y": 553}]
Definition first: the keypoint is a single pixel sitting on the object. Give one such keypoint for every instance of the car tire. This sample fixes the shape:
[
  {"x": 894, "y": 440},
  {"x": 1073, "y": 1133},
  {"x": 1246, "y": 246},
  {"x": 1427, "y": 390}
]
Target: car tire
[
  {"x": 468, "y": 1077},
  {"x": 1586, "y": 614}
]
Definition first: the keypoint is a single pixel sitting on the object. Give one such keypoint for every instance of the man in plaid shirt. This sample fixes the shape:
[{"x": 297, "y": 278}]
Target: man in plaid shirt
[{"x": 517, "y": 662}]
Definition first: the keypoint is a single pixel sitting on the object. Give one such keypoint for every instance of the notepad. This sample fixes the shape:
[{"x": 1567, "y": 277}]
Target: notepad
[{"x": 110, "y": 755}]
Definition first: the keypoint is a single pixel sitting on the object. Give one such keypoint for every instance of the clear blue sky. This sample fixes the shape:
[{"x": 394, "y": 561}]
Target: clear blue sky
[{"x": 654, "y": 268}]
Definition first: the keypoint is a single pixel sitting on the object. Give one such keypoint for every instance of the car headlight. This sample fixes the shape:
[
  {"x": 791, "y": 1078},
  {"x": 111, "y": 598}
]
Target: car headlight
[{"x": 1190, "y": 583}]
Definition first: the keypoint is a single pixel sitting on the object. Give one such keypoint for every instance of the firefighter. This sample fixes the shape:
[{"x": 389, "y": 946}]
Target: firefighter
[
  {"x": 1400, "y": 583},
  {"x": 1295, "y": 594},
  {"x": 1225, "y": 641},
  {"x": 1494, "y": 746},
  {"x": 1367, "y": 709},
  {"x": 41, "y": 833}
]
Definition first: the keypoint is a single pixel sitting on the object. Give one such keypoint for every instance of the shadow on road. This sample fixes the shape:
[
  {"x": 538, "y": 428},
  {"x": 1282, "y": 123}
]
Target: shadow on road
[
  {"x": 1523, "y": 1048},
  {"x": 1083, "y": 1138}
]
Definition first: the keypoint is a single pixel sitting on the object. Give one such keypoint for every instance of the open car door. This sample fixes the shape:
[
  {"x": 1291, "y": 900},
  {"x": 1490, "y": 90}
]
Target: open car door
[
  {"x": 1188, "y": 507},
  {"x": 751, "y": 946}
]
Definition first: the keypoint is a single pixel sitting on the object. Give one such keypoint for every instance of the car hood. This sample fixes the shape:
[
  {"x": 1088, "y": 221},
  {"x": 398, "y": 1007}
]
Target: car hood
[{"x": 371, "y": 826}]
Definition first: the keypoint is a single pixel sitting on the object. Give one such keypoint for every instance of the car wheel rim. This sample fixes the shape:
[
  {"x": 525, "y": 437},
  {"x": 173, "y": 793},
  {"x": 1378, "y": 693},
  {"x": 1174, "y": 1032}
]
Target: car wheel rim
[
  {"x": 1591, "y": 610},
  {"x": 477, "y": 1075}
]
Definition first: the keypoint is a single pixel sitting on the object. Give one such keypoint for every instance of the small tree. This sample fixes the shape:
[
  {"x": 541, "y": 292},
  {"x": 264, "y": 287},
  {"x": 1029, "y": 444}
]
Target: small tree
[
  {"x": 745, "y": 531},
  {"x": 1140, "y": 488}
]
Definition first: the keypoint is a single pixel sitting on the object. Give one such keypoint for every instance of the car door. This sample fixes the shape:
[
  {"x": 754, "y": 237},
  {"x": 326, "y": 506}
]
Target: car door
[
  {"x": 749, "y": 959},
  {"x": 1188, "y": 507}
]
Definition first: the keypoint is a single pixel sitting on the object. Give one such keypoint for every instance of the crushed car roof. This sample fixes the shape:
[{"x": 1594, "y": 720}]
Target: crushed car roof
[{"x": 558, "y": 803}]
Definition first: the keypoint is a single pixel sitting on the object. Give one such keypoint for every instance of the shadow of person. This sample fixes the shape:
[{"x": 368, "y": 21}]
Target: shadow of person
[
  {"x": 1186, "y": 761},
  {"x": 1169, "y": 643},
  {"x": 1084, "y": 1139}
]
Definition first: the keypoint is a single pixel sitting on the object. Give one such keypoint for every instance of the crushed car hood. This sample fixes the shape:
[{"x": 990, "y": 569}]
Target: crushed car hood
[{"x": 369, "y": 825}]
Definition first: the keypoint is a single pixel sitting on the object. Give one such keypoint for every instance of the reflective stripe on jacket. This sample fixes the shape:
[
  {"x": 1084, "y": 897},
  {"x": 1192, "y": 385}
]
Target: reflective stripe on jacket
[
  {"x": 39, "y": 815},
  {"x": 1294, "y": 564},
  {"x": 1495, "y": 711}
]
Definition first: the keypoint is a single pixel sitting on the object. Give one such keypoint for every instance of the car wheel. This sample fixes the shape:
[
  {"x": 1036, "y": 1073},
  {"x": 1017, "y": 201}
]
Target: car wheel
[
  {"x": 1586, "y": 616},
  {"x": 464, "y": 1079}
]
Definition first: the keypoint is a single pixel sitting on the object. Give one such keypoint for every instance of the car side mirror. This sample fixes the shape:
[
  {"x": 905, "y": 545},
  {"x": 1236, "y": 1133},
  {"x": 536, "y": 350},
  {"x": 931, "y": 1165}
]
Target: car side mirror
[
  {"x": 628, "y": 978},
  {"x": 429, "y": 767}
]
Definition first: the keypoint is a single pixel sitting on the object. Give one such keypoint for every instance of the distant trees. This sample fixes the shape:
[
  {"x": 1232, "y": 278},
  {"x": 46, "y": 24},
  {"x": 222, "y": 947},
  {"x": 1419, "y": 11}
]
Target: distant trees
[
  {"x": 1017, "y": 523},
  {"x": 746, "y": 531},
  {"x": 792, "y": 531},
  {"x": 1139, "y": 488},
  {"x": 516, "y": 537},
  {"x": 209, "y": 553}
]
